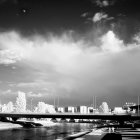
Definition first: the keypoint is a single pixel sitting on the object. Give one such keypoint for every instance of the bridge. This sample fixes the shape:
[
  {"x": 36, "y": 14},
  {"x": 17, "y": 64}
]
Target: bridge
[{"x": 119, "y": 118}]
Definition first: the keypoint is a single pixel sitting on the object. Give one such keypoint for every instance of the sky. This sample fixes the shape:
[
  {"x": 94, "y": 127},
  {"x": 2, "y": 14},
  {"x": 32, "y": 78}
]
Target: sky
[{"x": 70, "y": 50}]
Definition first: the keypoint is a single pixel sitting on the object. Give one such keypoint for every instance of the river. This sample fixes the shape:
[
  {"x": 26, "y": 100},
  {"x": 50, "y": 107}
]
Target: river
[{"x": 58, "y": 131}]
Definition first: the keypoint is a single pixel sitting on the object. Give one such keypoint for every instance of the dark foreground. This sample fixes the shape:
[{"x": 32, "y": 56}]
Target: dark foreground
[{"x": 119, "y": 134}]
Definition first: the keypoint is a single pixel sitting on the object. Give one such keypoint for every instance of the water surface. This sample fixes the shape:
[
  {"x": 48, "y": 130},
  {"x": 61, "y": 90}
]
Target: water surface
[{"x": 60, "y": 130}]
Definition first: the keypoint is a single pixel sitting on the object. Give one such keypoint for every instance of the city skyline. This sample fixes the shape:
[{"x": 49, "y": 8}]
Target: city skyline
[
  {"x": 71, "y": 50},
  {"x": 22, "y": 106}
]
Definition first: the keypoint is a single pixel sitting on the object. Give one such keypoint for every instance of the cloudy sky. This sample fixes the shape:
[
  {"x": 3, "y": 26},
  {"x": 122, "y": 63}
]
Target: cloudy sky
[{"x": 71, "y": 50}]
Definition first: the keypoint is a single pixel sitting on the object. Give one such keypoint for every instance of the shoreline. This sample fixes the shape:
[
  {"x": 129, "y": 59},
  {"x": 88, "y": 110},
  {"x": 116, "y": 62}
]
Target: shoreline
[
  {"x": 8, "y": 125},
  {"x": 44, "y": 123}
]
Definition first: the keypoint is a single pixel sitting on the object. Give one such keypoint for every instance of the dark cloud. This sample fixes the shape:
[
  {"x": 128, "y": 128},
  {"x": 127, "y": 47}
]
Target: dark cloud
[{"x": 9, "y": 1}]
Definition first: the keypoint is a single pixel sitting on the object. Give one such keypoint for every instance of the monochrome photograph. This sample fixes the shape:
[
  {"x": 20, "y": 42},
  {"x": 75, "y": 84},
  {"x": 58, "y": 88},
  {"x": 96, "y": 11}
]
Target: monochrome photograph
[{"x": 69, "y": 69}]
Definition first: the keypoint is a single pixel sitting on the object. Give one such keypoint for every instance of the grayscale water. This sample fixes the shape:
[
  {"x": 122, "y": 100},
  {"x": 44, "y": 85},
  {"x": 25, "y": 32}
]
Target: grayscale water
[{"x": 44, "y": 133}]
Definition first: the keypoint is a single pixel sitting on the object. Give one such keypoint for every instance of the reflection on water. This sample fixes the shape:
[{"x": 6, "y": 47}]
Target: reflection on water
[{"x": 44, "y": 133}]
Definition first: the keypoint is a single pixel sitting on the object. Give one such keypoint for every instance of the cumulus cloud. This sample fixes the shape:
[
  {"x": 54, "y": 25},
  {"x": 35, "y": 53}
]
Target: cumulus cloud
[
  {"x": 35, "y": 95},
  {"x": 76, "y": 68},
  {"x": 99, "y": 16},
  {"x": 9, "y": 91},
  {"x": 10, "y": 48},
  {"x": 85, "y": 14},
  {"x": 112, "y": 43},
  {"x": 104, "y": 3},
  {"x": 9, "y": 56}
]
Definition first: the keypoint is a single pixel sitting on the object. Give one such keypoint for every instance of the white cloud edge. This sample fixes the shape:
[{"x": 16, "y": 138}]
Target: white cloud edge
[{"x": 109, "y": 41}]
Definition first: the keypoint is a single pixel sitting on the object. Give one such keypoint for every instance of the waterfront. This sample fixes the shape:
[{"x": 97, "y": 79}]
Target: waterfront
[
  {"x": 58, "y": 131},
  {"x": 61, "y": 131}
]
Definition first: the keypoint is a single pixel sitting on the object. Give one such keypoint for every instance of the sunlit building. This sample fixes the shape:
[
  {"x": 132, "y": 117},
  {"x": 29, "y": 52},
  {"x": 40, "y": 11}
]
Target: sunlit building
[
  {"x": 92, "y": 110},
  {"x": 127, "y": 105},
  {"x": 69, "y": 109},
  {"x": 119, "y": 110},
  {"x": 60, "y": 109},
  {"x": 82, "y": 109}
]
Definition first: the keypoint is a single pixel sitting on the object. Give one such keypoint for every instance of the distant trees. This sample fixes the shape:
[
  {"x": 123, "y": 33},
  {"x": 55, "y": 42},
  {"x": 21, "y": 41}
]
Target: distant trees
[
  {"x": 10, "y": 107},
  {"x": 44, "y": 108},
  {"x": 41, "y": 107},
  {"x": 4, "y": 108},
  {"x": 50, "y": 108},
  {"x": 104, "y": 107},
  {"x": 20, "y": 106},
  {"x": 7, "y": 107},
  {"x": 21, "y": 102}
]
